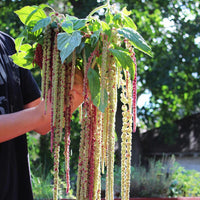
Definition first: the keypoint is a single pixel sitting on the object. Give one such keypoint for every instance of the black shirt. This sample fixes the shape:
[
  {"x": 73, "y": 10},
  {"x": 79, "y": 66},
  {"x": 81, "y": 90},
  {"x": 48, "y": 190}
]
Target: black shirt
[{"x": 17, "y": 88}]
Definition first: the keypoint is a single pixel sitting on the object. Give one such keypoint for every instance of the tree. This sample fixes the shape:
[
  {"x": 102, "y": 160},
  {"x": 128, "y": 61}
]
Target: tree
[{"x": 172, "y": 75}]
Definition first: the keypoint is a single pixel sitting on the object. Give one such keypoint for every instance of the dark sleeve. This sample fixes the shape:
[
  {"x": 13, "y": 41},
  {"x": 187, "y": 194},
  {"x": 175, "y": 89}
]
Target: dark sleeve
[
  {"x": 7, "y": 42},
  {"x": 29, "y": 87}
]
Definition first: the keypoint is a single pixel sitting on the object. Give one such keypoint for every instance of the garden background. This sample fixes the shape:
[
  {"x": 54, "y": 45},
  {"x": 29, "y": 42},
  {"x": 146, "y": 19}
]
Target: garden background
[{"x": 168, "y": 90}]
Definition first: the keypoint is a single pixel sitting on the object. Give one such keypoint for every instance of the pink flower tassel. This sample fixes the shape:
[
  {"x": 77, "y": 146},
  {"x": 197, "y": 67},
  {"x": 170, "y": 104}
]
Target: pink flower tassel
[
  {"x": 134, "y": 95},
  {"x": 91, "y": 152}
]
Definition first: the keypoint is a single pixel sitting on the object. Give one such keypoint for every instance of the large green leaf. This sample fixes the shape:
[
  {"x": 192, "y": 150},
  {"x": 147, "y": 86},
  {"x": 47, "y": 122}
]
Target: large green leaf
[
  {"x": 67, "y": 43},
  {"x": 94, "y": 83},
  {"x": 41, "y": 24},
  {"x": 125, "y": 60},
  {"x": 30, "y": 15},
  {"x": 136, "y": 39},
  {"x": 96, "y": 91},
  {"x": 78, "y": 23},
  {"x": 67, "y": 26},
  {"x": 24, "y": 12},
  {"x": 24, "y": 58}
]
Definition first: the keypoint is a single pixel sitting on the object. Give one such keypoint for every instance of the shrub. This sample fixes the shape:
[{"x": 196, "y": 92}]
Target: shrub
[
  {"x": 154, "y": 180},
  {"x": 185, "y": 183}
]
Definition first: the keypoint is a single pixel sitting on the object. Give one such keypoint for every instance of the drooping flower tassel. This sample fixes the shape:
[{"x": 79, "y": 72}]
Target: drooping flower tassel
[
  {"x": 46, "y": 68},
  {"x": 56, "y": 151},
  {"x": 55, "y": 76},
  {"x": 54, "y": 88},
  {"x": 112, "y": 106},
  {"x": 104, "y": 139},
  {"x": 56, "y": 170},
  {"x": 91, "y": 152},
  {"x": 81, "y": 191},
  {"x": 67, "y": 123},
  {"x": 73, "y": 67},
  {"x": 134, "y": 95},
  {"x": 103, "y": 68},
  {"x": 97, "y": 157},
  {"x": 38, "y": 56},
  {"x": 126, "y": 99}
]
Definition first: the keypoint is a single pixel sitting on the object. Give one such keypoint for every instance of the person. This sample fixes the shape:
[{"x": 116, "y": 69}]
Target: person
[{"x": 21, "y": 110}]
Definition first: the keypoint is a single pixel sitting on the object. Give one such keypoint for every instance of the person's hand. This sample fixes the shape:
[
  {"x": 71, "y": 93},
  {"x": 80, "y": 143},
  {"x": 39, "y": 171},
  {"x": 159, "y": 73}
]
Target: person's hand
[
  {"x": 44, "y": 112},
  {"x": 77, "y": 90}
]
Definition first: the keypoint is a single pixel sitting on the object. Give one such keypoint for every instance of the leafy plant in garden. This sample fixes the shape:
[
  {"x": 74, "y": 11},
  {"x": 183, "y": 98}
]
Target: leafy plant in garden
[
  {"x": 154, "y": 180},
  {"x": 185, "y": 183},
  {"x": 104, "y": 52}
]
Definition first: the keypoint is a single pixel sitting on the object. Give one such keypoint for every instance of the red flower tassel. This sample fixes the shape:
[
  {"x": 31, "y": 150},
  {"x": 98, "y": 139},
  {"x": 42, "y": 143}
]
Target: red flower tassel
[
  {"x": 134, "y": 95},
  {"x": 38, "y": 55}
]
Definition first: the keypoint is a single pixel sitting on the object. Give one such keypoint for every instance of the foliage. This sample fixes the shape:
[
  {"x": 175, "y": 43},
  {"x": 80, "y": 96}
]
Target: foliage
[
  {"x": 42, "y": 187},
  {"x": 153, "y": 181},
  {"x": 185, "y": 183},
  {"x": 8, "y": 21},
  {"x": 161, "y": 178},
  {"x": 172, "y": 75}
]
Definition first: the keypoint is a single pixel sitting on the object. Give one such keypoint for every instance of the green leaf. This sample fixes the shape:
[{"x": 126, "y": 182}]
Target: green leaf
[
  {"x": 35, "y": 16},
  {"x": 95, "y": 25},
  {"x": 96, "y": 94},
  {"x": 29, "y": 15},
  {"x": 106, "y": 28},
  {"x": 42, "y": 6},
  {"x": 108, "y": 17},
  {"x": 94, "y": 83},
  {"x": 67, "y": 26},
  {"x": 25, "y": 47},
  {"x": 79, "y": 23},
  {"x": 117, "y": 18},
  {"x": 125, "y": 60},
  {"x": 95, "y": 37},
  {"x": 41, "y": 24},
  {"x": 24, "y": 12},
  {"x": 136, "y": 40},
  {"x": 67, "y": 43},
  {"x": 20, "y": 60},
  {"x": 126, "y": 12},
  {"x": 129, "y": 22},
  {"x": 70, "y": 18},
  {"x": 19, "y": 39}
]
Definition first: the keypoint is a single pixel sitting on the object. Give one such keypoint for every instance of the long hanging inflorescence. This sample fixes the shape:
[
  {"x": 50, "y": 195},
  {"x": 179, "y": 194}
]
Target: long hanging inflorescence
[{"x": 56, "y": 86}]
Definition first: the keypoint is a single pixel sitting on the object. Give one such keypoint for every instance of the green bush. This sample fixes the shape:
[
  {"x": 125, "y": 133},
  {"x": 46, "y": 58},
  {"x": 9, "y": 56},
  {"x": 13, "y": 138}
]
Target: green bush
[
  {"x": 185, "y": 183},
  {"x": 43, "y": 188},
  {"x": 154, "y": 180}
]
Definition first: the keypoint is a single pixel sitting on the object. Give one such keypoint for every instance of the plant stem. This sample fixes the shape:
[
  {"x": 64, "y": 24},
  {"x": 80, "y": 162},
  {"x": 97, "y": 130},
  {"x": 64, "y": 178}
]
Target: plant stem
[{"x": 96, "y": 9}]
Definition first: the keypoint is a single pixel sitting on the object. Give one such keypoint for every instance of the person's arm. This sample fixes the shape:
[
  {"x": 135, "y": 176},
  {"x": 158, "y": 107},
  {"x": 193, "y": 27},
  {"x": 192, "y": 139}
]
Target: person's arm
[
  {"x": 33, "y": 116},
  {"x": 18, "y": 123}
]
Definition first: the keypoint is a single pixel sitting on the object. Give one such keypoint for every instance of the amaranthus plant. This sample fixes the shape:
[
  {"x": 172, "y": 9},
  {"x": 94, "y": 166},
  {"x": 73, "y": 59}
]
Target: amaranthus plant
[{"x": 104, "y": 50}]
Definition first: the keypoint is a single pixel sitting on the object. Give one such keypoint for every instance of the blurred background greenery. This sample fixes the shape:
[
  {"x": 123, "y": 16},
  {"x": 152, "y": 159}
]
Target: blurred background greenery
[{"x": 168, "y": 83}]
